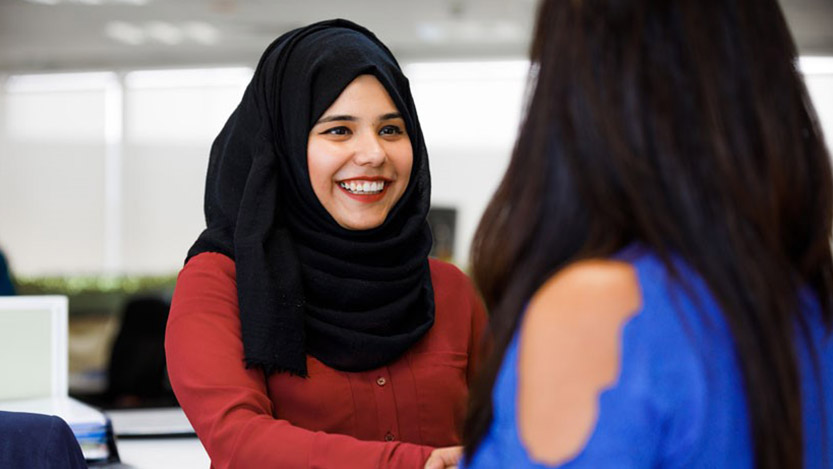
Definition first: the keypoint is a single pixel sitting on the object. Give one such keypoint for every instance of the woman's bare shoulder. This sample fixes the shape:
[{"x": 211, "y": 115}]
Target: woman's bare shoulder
[{"x": 569, "y": 353}]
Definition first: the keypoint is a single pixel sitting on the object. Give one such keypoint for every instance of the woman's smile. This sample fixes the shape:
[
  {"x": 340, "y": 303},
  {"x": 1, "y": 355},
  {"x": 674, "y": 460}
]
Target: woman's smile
[{"x": 365, "y": 189}]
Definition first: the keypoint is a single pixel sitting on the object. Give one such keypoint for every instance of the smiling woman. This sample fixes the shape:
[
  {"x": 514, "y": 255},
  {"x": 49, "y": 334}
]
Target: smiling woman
[
  {"x": 308, "y": 327},
  {"x": 359, "y": 155}
]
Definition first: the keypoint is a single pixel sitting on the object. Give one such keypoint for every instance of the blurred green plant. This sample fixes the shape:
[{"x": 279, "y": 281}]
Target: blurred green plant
[
  {"x": 97, "y": 295},
  {"x": 78, "y": 285}
]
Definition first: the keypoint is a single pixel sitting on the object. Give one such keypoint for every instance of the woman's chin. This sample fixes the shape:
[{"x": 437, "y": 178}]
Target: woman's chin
[{"x": 361, "y": 222}]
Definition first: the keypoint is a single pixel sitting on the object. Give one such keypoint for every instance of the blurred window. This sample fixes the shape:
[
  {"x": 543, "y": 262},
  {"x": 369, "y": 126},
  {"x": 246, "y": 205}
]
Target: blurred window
[
  {"x": 469, "y": 104},
  {"x": 61, "y": 107},
  {"x": 181, "y": 106},
  {"x": 818, "y": 74}
]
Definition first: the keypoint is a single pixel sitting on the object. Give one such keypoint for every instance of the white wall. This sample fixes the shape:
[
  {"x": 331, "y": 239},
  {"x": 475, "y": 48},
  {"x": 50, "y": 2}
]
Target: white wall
[
  {"x": 469, "y": 114},
  {"x": 105, "y": 173}
]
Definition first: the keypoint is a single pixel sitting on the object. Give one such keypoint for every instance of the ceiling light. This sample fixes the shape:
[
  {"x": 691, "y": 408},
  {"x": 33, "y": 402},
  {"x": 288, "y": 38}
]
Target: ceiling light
[
  {"x": 125, "y": 32},
  {"x": 470, "y": 30},
  {"x": 163, "y": 32},
  {"x": 431, "y": 32},
  {"x": 201, "y": 32},
  {"x": 160, "y": 31}
]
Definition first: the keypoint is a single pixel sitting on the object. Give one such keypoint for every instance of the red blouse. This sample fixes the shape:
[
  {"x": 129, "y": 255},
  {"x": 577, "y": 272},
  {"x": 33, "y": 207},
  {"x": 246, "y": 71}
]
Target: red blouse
[{"x": 389, "y": 417}]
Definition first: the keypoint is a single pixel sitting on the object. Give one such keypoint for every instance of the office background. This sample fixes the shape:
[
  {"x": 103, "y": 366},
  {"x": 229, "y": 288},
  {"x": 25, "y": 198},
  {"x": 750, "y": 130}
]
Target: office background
[{"x": 108, "y": 109}]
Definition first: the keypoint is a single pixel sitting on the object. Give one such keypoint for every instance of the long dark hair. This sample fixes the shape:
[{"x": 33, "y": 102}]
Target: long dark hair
[{"x": 685, "y": 126}]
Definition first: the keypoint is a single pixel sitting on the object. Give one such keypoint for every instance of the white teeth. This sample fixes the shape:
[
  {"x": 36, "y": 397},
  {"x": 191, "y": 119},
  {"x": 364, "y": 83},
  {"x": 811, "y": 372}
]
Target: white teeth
[{"x": 363, "y": 187}]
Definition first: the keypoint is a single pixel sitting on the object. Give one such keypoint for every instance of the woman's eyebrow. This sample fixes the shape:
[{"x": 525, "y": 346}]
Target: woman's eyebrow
[
  {"x": 343, "y": 117},
  {"x": 346, "y": 117}
]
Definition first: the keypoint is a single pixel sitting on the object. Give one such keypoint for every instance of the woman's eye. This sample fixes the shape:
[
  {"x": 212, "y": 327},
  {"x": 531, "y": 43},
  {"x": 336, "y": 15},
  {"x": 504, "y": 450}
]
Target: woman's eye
[
  {"x": 391, "y": 130},
  {"x": 337, "y": 131}
]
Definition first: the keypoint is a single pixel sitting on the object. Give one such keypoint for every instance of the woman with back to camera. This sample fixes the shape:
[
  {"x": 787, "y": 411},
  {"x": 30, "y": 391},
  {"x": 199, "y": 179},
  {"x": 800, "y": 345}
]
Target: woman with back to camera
[
  {"x": 657, "y": 259},
  {"x": 308, "y": 327}
]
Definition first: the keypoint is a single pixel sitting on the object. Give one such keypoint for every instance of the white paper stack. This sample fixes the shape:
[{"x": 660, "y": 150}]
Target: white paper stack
[{"x": 154, "y": 422}]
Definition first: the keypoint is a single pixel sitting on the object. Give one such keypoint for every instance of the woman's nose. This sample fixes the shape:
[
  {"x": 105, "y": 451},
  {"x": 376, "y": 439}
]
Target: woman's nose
[{"x": 369, "y": 150}]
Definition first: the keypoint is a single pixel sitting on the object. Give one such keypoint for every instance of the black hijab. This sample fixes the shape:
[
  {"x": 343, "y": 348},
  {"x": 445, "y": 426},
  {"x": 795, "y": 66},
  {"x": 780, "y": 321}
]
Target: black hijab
[{"x": 355, "y": 300}]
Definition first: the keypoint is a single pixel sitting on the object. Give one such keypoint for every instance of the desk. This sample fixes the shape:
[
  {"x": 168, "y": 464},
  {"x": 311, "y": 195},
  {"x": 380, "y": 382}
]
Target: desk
[
  {"x": 163, "y": 453},
  {"x": 157, "y": 439}
]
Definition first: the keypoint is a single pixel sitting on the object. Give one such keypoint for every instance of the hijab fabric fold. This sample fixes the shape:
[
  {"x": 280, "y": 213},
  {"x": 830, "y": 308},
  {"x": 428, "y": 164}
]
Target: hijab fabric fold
[{"x": 355, "y": 300}]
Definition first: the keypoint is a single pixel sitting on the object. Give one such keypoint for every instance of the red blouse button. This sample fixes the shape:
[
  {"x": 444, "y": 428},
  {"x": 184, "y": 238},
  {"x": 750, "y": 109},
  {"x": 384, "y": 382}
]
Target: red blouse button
[
  {"x": 389, "y": 436},
  {"x": 381, "y": 381}
]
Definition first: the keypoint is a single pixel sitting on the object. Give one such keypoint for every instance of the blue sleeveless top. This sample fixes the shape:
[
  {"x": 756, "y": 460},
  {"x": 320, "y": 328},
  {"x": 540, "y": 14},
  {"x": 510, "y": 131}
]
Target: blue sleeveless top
[{"x": 679, "y": 400}]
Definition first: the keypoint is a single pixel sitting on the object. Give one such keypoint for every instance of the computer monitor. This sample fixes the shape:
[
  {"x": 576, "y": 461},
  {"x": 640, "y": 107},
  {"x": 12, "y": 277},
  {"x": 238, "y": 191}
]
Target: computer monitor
[{"x": 33, "y": 347}]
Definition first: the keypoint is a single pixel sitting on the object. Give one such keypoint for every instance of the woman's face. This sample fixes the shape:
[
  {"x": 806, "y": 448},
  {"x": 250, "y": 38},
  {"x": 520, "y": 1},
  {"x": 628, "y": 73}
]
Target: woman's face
[{"x": 359, "y": 155}]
